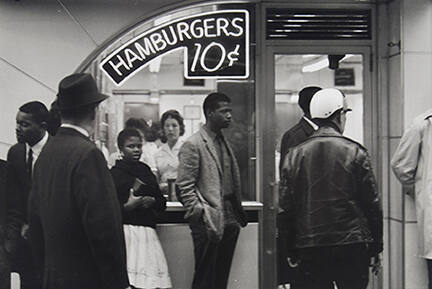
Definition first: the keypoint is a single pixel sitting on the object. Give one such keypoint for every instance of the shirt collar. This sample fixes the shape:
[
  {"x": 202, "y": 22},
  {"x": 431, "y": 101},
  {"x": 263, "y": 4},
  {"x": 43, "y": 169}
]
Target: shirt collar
[
  {"x": 311, "y": 123},
  {"x": 177, "y": 146},
  {"x": 38, "y": 147},
  {"x": 77, "y": 128}
]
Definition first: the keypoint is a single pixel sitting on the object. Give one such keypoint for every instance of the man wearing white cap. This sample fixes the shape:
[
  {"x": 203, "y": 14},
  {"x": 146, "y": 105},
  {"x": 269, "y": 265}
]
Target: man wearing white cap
[{"x": 329, "y": 191}]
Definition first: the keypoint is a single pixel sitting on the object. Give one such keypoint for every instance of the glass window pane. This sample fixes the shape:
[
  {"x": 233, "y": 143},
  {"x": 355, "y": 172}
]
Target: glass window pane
[{"x": 161, "y": 86}]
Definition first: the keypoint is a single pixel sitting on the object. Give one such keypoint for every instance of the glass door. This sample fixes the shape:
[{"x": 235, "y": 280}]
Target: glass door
[
  {"x": 293, "y": 72},
  {"x": 287, "y": 71}
]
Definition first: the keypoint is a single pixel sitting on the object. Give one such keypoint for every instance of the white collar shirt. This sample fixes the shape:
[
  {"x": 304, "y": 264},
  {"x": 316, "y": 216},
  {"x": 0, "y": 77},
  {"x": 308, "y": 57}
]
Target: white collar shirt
[
  {"x": 37, "y": 148},
  {"x": 77, "y": 128}
]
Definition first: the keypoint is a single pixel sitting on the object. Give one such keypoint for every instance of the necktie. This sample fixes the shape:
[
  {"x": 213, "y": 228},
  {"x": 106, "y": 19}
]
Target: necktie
[
  {"x": 219, "y": 148},
  {"x": 30, "y": 163}
]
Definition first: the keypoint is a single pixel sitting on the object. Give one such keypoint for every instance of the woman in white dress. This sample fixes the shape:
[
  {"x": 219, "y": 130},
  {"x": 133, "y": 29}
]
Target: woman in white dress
[
  {"x": 166, "y": 159},
  {"x": 141, "y": 201}
]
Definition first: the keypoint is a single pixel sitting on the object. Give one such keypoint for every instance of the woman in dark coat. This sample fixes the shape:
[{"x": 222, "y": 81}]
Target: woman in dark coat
[{"x": 141, "y": 200}]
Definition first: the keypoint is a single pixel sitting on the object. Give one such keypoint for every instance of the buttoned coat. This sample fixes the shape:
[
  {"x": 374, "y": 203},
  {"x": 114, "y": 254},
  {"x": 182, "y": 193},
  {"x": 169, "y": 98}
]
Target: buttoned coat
[
  {"x": 74, "y": 216},
  {"x": 412, "y": 165},
  {"x": 200, "y": 181}
]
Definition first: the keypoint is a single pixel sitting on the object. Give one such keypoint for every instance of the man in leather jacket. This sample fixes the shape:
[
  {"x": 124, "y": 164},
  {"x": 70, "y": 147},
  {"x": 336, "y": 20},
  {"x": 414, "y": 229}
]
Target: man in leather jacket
[{"x": 329, "y": 191}]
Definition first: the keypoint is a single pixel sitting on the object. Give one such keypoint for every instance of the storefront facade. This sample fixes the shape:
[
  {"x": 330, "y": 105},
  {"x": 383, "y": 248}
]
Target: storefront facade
[{"x": 160, "y": 55}]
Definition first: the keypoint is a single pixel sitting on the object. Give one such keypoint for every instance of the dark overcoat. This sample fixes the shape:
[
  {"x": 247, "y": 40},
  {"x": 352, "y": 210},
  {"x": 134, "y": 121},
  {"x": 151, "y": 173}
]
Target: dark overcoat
[
  {"x": 4, "y": 260},
  {"x": 18, "y": 188},
  {"x": 74, "y": 217}
]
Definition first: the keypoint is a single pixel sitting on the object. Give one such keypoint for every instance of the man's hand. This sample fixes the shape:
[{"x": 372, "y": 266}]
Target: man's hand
[
  {"x": 293, "y": 262},
  {"x": 24, "y": 231},
  {"x": 375, "y": 264},
  {"x": 409, "y": 190}
]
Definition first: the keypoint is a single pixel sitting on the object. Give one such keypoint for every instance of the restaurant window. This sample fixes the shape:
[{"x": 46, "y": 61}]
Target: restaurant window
[{"x": 164, "y": 84}]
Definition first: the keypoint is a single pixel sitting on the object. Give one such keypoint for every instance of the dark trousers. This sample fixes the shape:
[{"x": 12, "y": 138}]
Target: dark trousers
[
  {"x": 22, "y": 263},
  {"x": 429, "y": 266},
  {"x": 345, "y": 265},
  {"x": 213, "y": 259},
  {"x": 4, "y": 269}
]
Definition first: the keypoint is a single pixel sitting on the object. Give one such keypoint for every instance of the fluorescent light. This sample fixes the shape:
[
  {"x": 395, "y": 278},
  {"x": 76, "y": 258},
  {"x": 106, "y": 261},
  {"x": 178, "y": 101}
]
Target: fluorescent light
[
  {"x": 320, "y": 64},
  {"x": 310, "y": 55}
]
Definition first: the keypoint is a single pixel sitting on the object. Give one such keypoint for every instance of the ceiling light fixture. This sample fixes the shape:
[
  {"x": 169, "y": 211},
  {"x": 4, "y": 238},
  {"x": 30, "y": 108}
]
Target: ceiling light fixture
[{"x": 321, "y": 63}]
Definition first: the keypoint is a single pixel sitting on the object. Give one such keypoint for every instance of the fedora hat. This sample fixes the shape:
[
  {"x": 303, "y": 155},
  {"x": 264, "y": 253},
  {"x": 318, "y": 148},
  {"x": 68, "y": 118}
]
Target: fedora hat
[{"x": 78, "y": 90}]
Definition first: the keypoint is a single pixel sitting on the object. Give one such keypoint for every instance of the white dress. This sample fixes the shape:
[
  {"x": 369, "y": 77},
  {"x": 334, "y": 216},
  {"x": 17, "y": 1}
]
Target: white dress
[{"x": 146, "y": 263}]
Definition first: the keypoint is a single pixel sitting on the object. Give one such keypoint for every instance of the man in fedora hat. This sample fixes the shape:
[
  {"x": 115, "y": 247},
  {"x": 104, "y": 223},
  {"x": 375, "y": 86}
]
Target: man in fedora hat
[{"x": 75, "y": 220}]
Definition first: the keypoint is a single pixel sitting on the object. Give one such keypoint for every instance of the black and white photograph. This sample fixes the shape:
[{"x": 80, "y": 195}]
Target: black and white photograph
[{"x": 217, "y": 144}]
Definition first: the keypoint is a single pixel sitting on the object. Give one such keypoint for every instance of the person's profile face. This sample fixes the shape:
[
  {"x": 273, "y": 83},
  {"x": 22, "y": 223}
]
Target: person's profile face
[
  {"x": 221, "y": 117},
  {"x": 171, "y": 129},
  {"x": 27, "y": 129},
  {"x": 132, "y": 149}
]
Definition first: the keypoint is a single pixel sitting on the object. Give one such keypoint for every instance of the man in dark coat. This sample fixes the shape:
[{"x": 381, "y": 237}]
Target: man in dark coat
[
  {"x": 75, "y": 220},
  {"x": 4, "y": 260},
  {"x": 328, "y": 187},
  {"x": 288, "y": 271},
  {"x": 31, "y": 133},
  {"x": 304, "y": 128}
]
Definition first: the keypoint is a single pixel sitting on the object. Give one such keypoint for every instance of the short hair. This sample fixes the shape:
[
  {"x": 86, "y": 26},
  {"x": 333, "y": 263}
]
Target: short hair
[
  {"x": 151, "y": 133},
  {"x": 138, "y": 123},
  {"x": 125, "y": 134},
  {"x": 174, "y": 114},
  {"x": 37, "y": 109},
  {"x": 54, "y": 121},
  {"x": 305, "y": 97},
  {"x": 212, "y": 100}
]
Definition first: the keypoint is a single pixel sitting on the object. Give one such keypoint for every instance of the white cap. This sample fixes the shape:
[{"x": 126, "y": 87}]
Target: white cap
[{"x": 325, "y": 102}]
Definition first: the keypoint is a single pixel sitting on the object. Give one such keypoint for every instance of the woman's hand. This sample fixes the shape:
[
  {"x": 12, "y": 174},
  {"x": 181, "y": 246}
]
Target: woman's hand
[
  {"x": 147, "y": 201},
  {"x": 133, "y": 201}
]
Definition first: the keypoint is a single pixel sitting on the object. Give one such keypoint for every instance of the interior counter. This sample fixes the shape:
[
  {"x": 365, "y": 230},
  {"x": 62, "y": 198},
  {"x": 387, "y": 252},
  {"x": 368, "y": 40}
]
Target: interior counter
[{"x": 174, "y": 234}]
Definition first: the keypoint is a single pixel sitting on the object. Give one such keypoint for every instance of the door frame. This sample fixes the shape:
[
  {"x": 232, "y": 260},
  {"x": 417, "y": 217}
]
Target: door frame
[{"x": 266, "y": 137}]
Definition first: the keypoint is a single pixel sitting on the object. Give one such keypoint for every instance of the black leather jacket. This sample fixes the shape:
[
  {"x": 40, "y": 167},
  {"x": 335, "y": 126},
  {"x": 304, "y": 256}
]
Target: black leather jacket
[{"x": 329, "y": 190}]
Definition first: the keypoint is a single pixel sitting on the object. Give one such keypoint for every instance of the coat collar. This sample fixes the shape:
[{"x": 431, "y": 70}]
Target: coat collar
[
  {"x": 71, "y": 132},
  {"x": 326, "y": 131}
]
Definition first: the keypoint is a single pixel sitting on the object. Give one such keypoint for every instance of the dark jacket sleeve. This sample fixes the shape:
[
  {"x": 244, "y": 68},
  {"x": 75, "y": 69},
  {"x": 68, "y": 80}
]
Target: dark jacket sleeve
[
  {"x": 287, "y": 204},
  {"x": 286, "y": 144},
  {"x": 122, "y": 184},
  {"x": 369, "y": 200},
  {"x": 36, "y": 230},
  {"x": 15, "y": 214},
  {"x": 100, "y": 215},
  {"x": 153, "y": 190}
]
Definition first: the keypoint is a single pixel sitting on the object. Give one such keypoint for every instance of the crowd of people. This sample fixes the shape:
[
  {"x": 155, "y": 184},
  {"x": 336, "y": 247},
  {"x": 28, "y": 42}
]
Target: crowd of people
[{"x": 71, "y": 219}]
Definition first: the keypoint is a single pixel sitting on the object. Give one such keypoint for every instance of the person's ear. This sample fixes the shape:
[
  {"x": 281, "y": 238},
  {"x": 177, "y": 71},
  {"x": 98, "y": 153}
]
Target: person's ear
[{"x": 44, "y": 125}]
